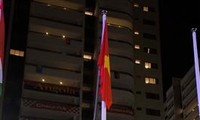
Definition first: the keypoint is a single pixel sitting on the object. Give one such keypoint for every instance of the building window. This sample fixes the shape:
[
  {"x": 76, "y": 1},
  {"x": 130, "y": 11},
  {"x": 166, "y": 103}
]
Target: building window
[
  {"x": 135, "y": 5},
  {"x": 136, "y": 33},
  {"x": 150, "y": 80},
  {"x": 150, "y": 50},
  {"x": 87, "y": 57},
  {"x": 148, "y": 65},
  {"x": 139, "y": 108},
  {"x": 148, "y": 9},
  {"x": 138, "y": 92},
  {"x": 88, "y": 13},
  {"x": 145, "y": 9},
  {"x": 137, "y": 47},
  {"x": 151, "y": 9},
  {"x": 116, "y": 75},
  {"x": 152, "y": 112},
  {"x": 137, "y": 61},
  {"x": 148, "y": 22},
  {"x": 17, "y": 52},
  {"x": 149, "y": 36},
  {"x": 152, "y": 96},
  {"x": 136, "y": 19},
  {"x": 39, "y": 69},
  {"x": 67, "y": 41}
]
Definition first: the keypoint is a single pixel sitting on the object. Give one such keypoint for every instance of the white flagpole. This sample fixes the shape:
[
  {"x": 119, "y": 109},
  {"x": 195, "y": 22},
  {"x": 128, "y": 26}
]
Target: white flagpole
[
  {"x": 196, "y": 62},
  {"x": 103, "y": 106},
  {"x": 103, "y": 110}
]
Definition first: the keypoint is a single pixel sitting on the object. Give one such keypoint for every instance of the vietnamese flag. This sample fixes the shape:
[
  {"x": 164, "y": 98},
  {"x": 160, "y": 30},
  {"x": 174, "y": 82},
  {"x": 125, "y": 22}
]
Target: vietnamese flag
[
  {"x": 1, "y": 44},
  {"x": 104, "y": 67}
]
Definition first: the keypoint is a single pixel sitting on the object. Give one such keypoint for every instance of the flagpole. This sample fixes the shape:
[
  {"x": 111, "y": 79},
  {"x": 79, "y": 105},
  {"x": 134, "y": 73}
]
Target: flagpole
[
  {"x": 104, "y": 12},
  {"x": 196, "y": 62},
  {"x": 96, "y": 97}
]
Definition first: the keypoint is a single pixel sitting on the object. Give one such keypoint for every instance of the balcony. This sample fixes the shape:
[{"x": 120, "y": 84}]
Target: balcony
[{"x": 34, "y": 108}]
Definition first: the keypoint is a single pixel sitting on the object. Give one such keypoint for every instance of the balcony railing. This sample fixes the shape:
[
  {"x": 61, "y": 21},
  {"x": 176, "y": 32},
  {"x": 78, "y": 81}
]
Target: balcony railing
[
  {"x": 49, "y": 105},
  {"x": 51, "y": 88}
]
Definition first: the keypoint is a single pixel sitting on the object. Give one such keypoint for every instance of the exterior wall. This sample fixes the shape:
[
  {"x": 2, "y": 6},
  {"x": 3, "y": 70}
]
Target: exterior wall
[
  {"x": 184, "y": 108},
  {"x": 189, "y": 96},
  {"x": 57, "y": 80},
  {"x": 146, "y": 35},
  {"x": 173, "y": 103}
]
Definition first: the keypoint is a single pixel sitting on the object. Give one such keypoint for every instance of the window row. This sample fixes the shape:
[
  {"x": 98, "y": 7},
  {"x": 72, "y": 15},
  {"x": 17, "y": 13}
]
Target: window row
[
  {"x": 147, "y": 65},
  {"x": 147, "y": 35},
  {"x": 146, "y": 49},
  {"x": 151, "y": 112},
  {"x": 144, "y": 8},
  {"x": 17, "y": 52}
]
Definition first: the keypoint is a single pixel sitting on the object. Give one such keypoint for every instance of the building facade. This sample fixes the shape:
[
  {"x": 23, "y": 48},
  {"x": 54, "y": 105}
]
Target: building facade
[
  {"x": 186, "y": 107},
  {"x": 189, "y": 96},
  {"x": 51, "y": 52},
  {"x": 173, "y": 103}
]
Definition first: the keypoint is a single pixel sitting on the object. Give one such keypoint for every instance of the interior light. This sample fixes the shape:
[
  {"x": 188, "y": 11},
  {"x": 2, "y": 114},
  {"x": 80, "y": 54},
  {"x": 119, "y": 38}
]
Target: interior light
[
  {"x": 61, "y": 83},
  {"x": 87, "y": 57}
]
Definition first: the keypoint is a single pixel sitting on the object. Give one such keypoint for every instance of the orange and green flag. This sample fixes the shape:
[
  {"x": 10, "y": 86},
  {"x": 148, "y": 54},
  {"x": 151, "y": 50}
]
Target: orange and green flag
[{"x": 104, "y": 68}]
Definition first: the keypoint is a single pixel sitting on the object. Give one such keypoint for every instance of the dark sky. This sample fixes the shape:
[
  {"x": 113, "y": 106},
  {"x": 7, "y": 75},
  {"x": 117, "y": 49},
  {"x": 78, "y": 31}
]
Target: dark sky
[{"x": 177, "y": 17}]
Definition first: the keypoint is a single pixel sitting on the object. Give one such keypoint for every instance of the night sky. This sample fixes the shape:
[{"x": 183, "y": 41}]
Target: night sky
[{"x": 177, "y": 17}]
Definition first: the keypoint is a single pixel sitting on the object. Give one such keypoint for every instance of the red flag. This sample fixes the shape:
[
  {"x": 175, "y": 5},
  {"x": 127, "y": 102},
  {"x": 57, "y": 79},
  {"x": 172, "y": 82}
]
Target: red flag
[
  {"x": 1, "y": 44},
  {"x": 104, "y": 68}
]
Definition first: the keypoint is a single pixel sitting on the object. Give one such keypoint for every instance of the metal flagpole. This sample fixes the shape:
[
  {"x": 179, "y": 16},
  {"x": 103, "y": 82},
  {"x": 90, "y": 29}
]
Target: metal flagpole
[
  {"x": 96, "y": 97},
  {"x": 196, "y": 65},
  {"x": 104, "y": 12}
]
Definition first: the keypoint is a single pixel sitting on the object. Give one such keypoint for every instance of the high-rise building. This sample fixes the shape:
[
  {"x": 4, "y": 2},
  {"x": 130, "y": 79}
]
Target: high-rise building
[
  {"x": 189, "y": 96},
  {"x": 173, "y": 103},
  {"x": 51, "y": 52},
  {"x": 181, "y": 100}
]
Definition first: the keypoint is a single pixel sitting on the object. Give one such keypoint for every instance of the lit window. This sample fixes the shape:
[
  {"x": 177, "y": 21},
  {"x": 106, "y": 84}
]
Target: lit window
[
  {"x": 88, "y": 13},
  {"x": 136, "y": 5},
  {"x": 12, "y": 52},
  {"x": 149, "y": 80},
  {"x": 87, "y": 57},
  {"x": 150, "y": 50},
  {"x": 193, "y": 110},
  {"x": 145, "y": 8},
  {"x": 137, "y": 46},
  {"x": 137, "y": 61},
  {"x": 17, "y": 52},
  {"x": 136, "y": 33},
  {"x": 21, "y": 53},
  {"x": 43, "y": 80},
  {"x": 147, "y": 65}
]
